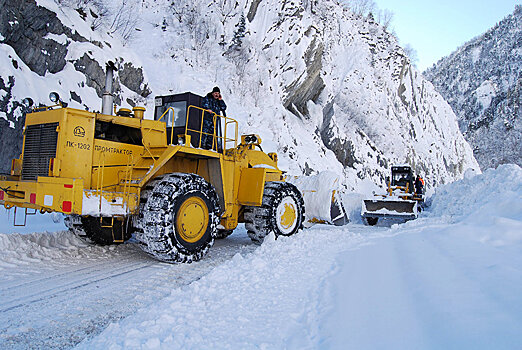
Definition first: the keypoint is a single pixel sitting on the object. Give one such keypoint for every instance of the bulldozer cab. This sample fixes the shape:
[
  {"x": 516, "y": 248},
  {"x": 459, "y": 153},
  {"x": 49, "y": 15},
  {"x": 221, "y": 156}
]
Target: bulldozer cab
[
  {"x": 402, "y": 176},
  {"x": 176, "y": 107},
  {"x": 184, "y": 115}
]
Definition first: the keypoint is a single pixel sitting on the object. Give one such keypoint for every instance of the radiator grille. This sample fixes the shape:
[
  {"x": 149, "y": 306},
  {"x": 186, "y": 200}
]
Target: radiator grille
[{"x": 40, "y": 147}]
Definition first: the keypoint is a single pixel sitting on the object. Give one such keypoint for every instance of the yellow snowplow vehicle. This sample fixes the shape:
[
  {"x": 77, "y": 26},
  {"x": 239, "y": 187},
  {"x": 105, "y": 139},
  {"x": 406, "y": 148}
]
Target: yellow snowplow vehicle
[
  {"x": 399, "y": 202},
  {"x": 114, "y": 175}
]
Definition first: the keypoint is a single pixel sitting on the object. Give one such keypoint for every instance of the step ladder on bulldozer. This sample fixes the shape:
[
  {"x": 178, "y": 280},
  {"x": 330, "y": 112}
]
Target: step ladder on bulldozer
[{"x": 125, "y": 180}]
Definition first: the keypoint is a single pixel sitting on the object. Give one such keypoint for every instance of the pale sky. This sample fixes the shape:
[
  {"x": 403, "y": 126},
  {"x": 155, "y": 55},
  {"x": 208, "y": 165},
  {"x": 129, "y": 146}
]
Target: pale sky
[{"x": 436, "y": 28}]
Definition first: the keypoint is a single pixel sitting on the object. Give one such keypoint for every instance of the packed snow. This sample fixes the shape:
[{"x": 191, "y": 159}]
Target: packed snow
[
  {"x": 450, "y": 279},
  {"x": 447, "y": 280}
]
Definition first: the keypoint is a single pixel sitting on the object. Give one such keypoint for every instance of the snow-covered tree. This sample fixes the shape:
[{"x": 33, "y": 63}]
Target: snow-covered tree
[
  {"x": 239, "y": 33},
  {"x": 360, "y": 7}
]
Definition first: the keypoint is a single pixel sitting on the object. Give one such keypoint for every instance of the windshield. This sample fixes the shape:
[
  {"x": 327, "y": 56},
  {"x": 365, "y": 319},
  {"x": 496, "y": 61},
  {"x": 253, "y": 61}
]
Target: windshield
[
  {"x": 180, "y": 113},
  {"x": 400, "y": 178}
]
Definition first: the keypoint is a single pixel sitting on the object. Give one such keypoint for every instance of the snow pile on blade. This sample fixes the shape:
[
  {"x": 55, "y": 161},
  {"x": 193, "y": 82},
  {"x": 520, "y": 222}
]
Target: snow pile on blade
[
  {"x": 389, "y": 206},
  {"x": 321, "y": 196}
]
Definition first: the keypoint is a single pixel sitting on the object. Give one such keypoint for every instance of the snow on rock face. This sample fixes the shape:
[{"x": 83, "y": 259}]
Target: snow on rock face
[
  {"x": 47, "y": 48},
  {"x": 334, "y": 92},
  {"x": 482, "y": 81},
  {"x": 380, "y": 111},
  {"x": 323, "y": 88}
]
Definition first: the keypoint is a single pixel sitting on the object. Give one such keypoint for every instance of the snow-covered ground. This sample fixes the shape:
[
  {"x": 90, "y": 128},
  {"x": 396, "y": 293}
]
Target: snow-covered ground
[{"x": 451, "y": 279}]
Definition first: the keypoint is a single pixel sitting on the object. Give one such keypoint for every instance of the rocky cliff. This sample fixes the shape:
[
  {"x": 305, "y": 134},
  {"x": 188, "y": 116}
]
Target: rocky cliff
[
  {"x": 42, "y": 52},
  {"x": 326, "y": 89}
]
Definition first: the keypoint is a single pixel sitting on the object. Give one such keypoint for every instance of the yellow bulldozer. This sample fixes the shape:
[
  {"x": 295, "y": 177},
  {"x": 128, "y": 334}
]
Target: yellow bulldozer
[
  {"x": 400, "y": 201},
  {"x": 115, "y": 173}
]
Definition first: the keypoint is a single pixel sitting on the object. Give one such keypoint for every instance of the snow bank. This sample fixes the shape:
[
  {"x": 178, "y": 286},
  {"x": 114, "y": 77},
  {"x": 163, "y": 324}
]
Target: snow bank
[
  {"x": 28, "y": 250},
  {"x": 488, "y": 206},
  {"x": 21, "y": 248}
]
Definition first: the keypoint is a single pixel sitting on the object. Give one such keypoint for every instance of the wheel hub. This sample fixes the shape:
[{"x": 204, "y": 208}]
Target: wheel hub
[
  {"x": 192, "y": 219},
  {"x": 286, "y": 215}
]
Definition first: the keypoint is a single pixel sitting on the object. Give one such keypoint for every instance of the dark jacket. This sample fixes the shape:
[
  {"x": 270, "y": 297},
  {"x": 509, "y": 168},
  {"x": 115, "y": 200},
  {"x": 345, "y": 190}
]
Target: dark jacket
[
  {"x": 419, "y": 186},
  {"x": 216, "y": 106}
]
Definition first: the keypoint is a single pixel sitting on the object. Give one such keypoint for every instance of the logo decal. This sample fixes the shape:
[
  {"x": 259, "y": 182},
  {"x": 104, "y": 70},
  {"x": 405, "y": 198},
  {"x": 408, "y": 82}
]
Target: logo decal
[{"x": 79, "y": 131}]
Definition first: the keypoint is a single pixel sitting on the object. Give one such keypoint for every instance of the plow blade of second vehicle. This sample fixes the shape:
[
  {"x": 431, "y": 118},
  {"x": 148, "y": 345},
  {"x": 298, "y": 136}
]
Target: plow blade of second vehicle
[{"x": 389, "y": 208}]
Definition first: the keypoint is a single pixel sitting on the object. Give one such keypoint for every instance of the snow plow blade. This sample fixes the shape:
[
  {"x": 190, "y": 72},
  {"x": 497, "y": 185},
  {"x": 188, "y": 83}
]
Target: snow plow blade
[
  {"x": 375, "y": 208},
  {"x": 338, "y": 215},
  {"x": 322, "y": 198}
]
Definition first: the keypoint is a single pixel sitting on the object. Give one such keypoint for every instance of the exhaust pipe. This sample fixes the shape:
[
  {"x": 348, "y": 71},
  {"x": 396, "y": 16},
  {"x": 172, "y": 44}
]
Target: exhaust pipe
[{"x": 108, "y": 98}]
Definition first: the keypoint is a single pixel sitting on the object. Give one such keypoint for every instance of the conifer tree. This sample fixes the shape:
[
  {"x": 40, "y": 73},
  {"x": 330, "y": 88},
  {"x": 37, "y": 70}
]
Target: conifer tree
[{"x": 239, "y": 33}]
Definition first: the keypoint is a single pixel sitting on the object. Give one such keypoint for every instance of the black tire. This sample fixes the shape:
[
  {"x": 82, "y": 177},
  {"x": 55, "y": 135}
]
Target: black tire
[
  {"x": 167, "y": 229},
  {"x": 372, "y": 221},
  {"x": 269, "y": 217},
  {"x": 222, "y": 234},
  {"x": 74, "y": 224},
  {"x": 91, "y": 228},
  {"x": 96, "y": 232}
]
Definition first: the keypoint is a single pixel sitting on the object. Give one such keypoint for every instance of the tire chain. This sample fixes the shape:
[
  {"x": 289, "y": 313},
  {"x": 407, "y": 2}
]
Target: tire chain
[{"x": 260, "y": 221}]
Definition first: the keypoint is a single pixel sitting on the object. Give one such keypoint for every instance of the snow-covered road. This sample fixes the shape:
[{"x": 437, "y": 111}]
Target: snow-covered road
[
  {"x": 57, "y": 290},
  {"x": 425, "y": 286},
  {"x": 451, "y": 279}
]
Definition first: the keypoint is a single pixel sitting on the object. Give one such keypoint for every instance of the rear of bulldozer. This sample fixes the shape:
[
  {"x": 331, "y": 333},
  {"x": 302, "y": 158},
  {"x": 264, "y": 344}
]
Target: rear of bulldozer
[{"x": 54, "y": 172}]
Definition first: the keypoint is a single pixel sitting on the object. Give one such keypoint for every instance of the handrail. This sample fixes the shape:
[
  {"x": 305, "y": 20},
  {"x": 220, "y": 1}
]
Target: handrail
[
  {"x": 47, "y": 108},
  {"x": 99, "y": 184},
  {"x": 127, "y": 181},
  {"x": 216, "y": 118},
  {"x": 150, "y": 153},
  {"x": 150, "y": 129}
]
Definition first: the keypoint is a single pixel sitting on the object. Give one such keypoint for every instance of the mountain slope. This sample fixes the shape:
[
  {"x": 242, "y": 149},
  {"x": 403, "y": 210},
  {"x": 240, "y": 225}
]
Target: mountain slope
[
  {"x": 323, "y": 88},
  {"x": 47, "y": 47},
  {"x": 482, "y": 81}
]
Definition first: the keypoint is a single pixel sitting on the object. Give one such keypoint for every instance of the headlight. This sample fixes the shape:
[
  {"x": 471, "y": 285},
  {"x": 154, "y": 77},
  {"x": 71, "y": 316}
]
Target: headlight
[
  {"x": 251, "y": 139},
  {"x": 54, "y": 97},
  {"x": 27, "y": 102}
]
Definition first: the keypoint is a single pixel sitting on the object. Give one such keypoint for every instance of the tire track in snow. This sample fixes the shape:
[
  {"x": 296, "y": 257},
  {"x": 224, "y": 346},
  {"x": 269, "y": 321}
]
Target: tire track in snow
[
  {"x": 66, "y": 288},
  {"x": 67, "y": 272},
  {"x": 60, "y": 309}
]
